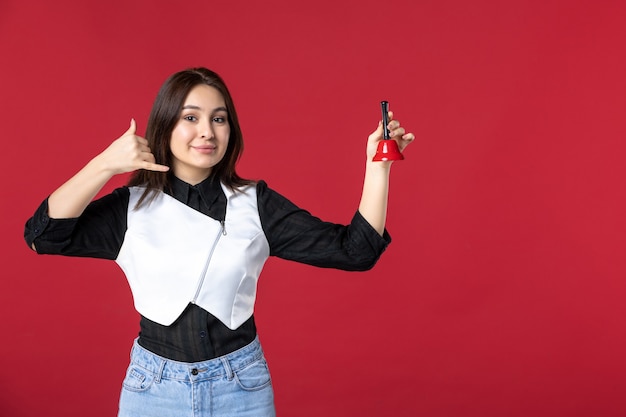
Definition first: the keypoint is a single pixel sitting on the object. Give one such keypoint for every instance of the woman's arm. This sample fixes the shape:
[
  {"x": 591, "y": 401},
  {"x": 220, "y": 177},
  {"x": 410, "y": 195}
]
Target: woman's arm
[
  {"x": 373, "y": 205},
  {"x": 128, "y": 153},
  {"x": 295, "y": 234}
]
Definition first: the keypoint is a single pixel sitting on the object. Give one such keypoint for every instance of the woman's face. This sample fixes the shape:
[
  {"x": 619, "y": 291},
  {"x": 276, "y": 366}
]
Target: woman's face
[{"x": 200, "y": 137}]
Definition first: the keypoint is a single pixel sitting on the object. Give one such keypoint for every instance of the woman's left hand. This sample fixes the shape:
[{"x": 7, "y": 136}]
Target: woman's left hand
[{"x": 396, "y": 132}]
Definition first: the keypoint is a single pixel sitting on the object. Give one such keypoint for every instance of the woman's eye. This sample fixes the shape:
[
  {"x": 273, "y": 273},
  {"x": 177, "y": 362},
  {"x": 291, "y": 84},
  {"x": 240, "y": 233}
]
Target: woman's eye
[
  {"x": 219, "y": 119},
  {"x": 190, "y": 118}
]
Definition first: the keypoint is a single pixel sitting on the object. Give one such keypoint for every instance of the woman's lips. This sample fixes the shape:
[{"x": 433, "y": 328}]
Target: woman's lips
[{"x": 204, "y": 149}]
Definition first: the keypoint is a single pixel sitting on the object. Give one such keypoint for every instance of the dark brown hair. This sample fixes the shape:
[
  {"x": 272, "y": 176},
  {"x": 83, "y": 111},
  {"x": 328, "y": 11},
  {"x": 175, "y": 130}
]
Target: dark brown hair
[{"x": 166, "y": 112}]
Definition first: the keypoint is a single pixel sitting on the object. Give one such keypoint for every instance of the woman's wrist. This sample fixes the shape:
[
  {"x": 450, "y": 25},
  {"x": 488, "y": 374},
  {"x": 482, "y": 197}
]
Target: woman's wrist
[{"x": 383, "y": 167}]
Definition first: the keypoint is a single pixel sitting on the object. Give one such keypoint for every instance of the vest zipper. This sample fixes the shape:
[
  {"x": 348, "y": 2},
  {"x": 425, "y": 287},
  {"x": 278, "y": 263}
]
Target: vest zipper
[{"x": 221, "y": 233}]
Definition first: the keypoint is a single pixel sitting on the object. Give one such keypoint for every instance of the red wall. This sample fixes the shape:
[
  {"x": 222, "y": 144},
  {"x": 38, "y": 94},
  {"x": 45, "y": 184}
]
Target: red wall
[{"x": 502, "y": 293}]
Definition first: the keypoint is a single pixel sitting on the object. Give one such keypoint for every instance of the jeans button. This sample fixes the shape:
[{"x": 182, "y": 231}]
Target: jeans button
[{"x": 194, "y": 371}]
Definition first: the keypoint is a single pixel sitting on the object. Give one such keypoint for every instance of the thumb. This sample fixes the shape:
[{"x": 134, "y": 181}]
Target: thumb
[
  {"x": 379, "y": 130},
  {"x": 132, "y": 129}
]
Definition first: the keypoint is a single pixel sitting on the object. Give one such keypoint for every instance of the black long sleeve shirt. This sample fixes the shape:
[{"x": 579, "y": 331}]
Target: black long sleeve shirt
[{"x": 292, "y": 234}]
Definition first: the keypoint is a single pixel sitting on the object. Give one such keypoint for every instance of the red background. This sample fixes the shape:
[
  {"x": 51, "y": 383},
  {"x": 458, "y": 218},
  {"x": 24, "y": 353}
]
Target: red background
[{"x": 502, "y": 293}]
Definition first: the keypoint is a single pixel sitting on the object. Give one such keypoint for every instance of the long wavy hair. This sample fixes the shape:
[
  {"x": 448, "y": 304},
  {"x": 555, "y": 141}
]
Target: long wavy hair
[{"x": 166, "y": 112}]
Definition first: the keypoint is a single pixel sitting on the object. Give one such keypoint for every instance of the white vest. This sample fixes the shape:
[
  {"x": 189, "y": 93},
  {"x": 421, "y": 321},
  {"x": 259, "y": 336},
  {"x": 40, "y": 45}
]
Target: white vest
[{"x": 173, "y": 255}]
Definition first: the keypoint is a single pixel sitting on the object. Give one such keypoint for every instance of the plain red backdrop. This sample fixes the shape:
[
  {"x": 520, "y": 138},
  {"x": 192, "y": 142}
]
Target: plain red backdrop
[{"x": 502, "y": 293}]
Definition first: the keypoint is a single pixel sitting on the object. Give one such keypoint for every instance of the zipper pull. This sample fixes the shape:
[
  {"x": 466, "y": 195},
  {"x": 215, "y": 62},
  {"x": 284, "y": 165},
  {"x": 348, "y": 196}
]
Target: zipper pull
[{"x": 223, "y": 224}]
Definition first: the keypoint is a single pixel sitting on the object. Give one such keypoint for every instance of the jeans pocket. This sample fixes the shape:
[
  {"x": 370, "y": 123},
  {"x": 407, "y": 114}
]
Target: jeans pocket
[
  {"x": 137, "y": 379},
  {"x": 254, "y": 377}
]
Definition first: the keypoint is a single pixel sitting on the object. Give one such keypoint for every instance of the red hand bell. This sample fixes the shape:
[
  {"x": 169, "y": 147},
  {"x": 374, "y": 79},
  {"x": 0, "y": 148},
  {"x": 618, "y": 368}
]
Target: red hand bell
[{"x": 387, "y": 148}]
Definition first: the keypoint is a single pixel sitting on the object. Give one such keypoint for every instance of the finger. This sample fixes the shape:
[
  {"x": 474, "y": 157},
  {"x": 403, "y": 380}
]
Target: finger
[
  {"x": 146, "y": 155},
  {"x": 377, "y": 133},
  {"x": 397, "y": 132},
  {"x": 393, "y": 125},
  {"x": 154, "y": 167},
  {"x": 409, "y": 137},
  {"x": 132, "y": 129}
]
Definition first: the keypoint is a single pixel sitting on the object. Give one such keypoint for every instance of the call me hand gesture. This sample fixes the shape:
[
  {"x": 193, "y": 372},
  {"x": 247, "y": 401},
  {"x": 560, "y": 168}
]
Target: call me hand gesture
[{"x": 128, "y": 153}]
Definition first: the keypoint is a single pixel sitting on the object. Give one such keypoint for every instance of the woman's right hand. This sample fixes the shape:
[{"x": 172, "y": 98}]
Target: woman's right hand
[{"x": 128, "y": 153}]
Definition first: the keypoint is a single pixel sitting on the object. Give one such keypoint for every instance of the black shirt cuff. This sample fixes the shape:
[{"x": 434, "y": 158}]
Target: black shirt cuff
[{"x": 56, "y": 232}]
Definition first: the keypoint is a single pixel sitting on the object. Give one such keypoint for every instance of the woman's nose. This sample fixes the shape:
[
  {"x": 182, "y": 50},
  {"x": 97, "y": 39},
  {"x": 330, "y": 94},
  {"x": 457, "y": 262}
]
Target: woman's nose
[{"x": 206, "y": 130}]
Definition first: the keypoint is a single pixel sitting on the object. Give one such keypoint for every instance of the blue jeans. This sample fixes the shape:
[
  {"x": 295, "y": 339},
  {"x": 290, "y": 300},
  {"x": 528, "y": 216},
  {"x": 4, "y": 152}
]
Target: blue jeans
[{"x": 237, "y": 384}]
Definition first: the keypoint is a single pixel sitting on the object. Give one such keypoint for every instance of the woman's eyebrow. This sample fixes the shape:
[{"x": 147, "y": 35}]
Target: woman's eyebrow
[{"x": 194, "y": 107}]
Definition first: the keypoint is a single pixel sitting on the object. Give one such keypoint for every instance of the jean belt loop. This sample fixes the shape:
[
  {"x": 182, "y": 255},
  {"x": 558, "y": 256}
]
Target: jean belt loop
[
  {"x": 160, "y": 372},
  {"x": 229, "y": 370}
]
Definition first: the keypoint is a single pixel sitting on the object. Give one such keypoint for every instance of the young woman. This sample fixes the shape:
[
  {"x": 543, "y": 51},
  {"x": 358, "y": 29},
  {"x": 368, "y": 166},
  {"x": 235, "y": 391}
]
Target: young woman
[{"x": 192, "y": 237}]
